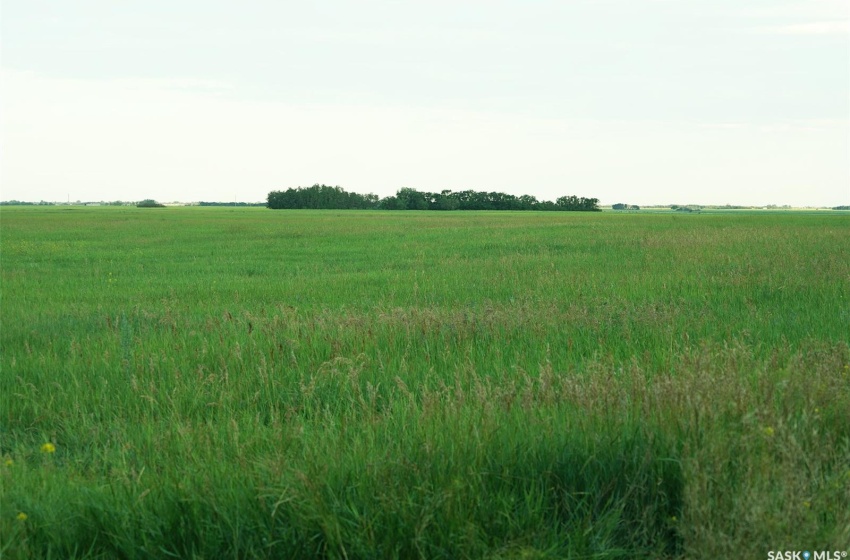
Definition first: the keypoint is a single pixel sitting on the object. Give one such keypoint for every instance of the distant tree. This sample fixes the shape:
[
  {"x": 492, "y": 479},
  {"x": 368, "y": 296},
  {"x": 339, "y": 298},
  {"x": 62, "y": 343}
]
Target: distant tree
[
  {"x": 576, "y": 204},
  {"x": 149, "y": 203},
  {"x": 411, "y": 199},
  {"x": 618, "y": 206},
  {"x": 527, "y": 202},
  {"x": 443, "y": 200},
  {"x": 390, "y": 203}
]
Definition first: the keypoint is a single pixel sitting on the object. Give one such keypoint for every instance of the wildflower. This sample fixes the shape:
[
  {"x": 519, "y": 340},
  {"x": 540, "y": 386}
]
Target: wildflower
[
  {"x": 21, "y": 516},
  {"x": 768, "y": 431},
  {"x": 48, "y": 448},
  {"x": 807, "y": 504},
  {"x": 8, "y": 462}
]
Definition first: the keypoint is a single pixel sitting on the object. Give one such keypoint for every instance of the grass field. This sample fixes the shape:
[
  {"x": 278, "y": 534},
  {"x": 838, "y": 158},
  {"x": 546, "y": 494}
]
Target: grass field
[{"x": 247, "y": 383}]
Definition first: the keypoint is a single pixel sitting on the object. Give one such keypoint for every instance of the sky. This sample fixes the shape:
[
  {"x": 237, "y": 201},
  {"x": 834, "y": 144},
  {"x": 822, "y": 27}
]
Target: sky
[{"x": 743, "y": 102}]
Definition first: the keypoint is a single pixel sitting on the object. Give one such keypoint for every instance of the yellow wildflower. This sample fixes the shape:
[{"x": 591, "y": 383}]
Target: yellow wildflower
[
  {"x": 8, "y": 462},
  {"x": 768, "y": 431},
  {"x": 21, "y": 516},
  {"x": 48, "y": 448},
  {"x": 807, "y": 504}
]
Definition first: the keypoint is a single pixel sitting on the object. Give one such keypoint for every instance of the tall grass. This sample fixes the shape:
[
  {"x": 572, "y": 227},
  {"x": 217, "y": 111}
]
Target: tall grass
[{"x": 255, "y": 384}]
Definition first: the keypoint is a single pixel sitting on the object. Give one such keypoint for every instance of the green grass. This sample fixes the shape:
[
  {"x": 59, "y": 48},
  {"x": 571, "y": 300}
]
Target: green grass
[{"x": 248, "y": 383}]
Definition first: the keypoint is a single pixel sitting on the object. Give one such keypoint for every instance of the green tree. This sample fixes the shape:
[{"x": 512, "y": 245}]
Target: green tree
[{"x": 149, "y": 203}]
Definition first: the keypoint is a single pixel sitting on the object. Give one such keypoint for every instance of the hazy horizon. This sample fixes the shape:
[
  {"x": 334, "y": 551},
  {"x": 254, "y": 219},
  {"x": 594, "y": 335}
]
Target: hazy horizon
[
  {"x": 76, "y": 202},
  {"x": 107, "y": 202}
]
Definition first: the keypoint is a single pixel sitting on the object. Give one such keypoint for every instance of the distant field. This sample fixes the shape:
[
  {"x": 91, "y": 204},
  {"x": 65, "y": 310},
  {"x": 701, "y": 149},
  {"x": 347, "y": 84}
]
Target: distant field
[{"x": 248, "y": 383}]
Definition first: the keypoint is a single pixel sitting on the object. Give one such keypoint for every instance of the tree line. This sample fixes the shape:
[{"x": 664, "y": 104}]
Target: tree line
[{"x": 335, "y": 198}]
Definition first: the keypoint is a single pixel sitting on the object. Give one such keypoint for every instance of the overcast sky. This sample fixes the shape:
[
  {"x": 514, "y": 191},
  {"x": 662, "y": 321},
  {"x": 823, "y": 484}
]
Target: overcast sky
[{"x": 635, "y": 101}]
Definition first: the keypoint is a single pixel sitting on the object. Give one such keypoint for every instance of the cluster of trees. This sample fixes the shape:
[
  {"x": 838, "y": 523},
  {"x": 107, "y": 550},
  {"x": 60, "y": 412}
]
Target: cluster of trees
[
  {"x": 149, "y": 203},
  {"x": 621, "y": 206},
  {"x": 323, "y": 196}
]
